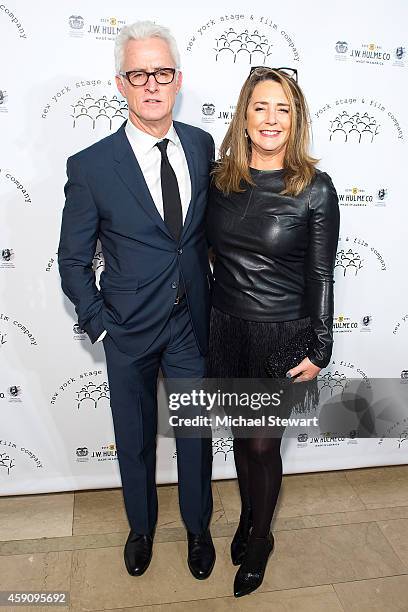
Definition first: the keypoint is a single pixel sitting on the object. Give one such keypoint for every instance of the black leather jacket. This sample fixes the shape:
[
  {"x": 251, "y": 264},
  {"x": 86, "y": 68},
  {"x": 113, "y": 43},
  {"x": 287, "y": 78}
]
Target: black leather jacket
[{"x": 275, "y": 254}]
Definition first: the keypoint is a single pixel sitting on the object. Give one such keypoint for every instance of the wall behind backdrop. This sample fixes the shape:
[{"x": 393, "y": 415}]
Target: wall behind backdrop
[{"x": 58, "y": 95}]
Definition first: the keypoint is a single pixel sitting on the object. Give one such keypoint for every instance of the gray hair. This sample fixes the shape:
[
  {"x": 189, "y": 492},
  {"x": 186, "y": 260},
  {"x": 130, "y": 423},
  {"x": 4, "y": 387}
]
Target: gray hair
[{"x": 141, "y": 30}]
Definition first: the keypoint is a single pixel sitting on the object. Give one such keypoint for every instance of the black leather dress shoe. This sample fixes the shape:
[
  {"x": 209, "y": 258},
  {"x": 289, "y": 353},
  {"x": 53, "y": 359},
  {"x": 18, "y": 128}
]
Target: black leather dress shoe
[
  {"x": 240, "y": 539},
  {"x": 251, "y": 573},
  {"x": 138, "y": 553},
  {"x": 201, "y": 554}
]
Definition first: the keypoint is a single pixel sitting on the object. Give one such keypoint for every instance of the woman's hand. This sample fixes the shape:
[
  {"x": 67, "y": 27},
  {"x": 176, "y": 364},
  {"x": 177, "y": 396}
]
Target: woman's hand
[{"x": 306, "y": 370}]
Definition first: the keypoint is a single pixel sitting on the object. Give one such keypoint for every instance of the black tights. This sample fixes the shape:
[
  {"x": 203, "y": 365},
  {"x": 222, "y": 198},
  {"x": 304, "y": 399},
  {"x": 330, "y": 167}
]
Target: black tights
[{"x": 259, "y": 469}]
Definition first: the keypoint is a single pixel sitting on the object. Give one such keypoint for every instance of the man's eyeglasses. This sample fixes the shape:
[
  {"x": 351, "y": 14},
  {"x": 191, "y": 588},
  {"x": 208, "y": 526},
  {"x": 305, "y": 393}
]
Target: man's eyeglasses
[
  {"x": 290, "y": 72},
  {"x": 163, "y": 76}
]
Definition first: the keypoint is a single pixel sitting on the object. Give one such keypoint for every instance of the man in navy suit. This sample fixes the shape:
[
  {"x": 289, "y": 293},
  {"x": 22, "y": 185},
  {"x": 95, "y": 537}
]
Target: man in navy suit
[{"x": 142, "y": 191}]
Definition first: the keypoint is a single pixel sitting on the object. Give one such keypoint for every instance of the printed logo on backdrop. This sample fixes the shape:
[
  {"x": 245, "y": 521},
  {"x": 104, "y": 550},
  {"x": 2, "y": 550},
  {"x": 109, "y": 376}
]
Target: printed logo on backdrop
[
  {"x": 243, "y": 40},
  {"x": 98, "y": 265},
  {"x": 104, "y": 28},
  {"x": 401, "y": 325},
  {"x": 218, "y": 115},
  {"x": 221, "y": 446},
  {"x": 98, "y": 262},
  {"x": 332, "y": 382},
  {"x": 358, "y": 120},
  {"x": 13, "y": 454},
  {"x": 343, "y": 324},
  {"x": 82, "y": 454},
  {"x": 88, "y": 105},
  {"x": 10, "y": 328},
  {"x": 92, "y": 396},
  {"x": 370, "y": 53},
  {"x": 364, "y": 197},
  {"x": 327, "y": 438},
  {"x": 78, "y": 333},
  {"x": 400, "y": 56},
  {"x": 355, "y": 256},
  {"x": 88, "y": 392},
  {"x": 403, "y": 437},
  {"x": 336, "y": 375},
  {"x": 366, "y": 323},
  {"x": 14, "y": 394},
  {"x": 397, "y": 433},
  {"x": 90, "y": 111},
  {"x": 3, "y": 101},
  {"x": 224, "y": 447},
  {"x": 6, "y": 463},
  {"x": 7, "y": 258},
  {"x": 50, "y": 263},
  {"x": 12, "y": 184},
  {"x": 208, "y": 112},
  {"x": 335, "y": 382},
  {"x": 105, "y": 452},
  {"x": 76, "y": 24},
  {"x": 8, "y": 14},
  {"x": 400, "y": 330}
]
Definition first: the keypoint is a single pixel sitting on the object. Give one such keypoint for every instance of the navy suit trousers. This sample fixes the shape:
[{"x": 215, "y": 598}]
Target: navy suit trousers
[{"x": 133, "y": 392}]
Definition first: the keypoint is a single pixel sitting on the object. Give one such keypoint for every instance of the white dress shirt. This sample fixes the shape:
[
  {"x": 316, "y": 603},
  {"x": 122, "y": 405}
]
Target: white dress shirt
[{"x": 149, "y": 160}]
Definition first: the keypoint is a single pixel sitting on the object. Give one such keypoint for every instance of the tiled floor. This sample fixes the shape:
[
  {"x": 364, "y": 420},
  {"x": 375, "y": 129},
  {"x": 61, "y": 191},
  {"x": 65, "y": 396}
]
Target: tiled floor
[{"x": 341, "y": 546}]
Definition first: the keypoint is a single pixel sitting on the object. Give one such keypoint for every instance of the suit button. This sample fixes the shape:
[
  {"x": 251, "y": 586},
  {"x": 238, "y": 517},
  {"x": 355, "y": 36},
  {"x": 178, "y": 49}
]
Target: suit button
[
  {"x": 179, "y": 251},
  {"x": 174, "y": 285}
]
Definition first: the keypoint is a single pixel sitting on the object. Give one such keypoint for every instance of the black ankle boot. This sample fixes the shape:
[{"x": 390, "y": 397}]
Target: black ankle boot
[
  {"x": 240, "y": 539},
  {"x": 251, "y": 573}
]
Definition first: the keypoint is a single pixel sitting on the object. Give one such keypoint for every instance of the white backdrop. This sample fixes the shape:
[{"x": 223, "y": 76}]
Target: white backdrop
[{"x": 57, "y": 96}]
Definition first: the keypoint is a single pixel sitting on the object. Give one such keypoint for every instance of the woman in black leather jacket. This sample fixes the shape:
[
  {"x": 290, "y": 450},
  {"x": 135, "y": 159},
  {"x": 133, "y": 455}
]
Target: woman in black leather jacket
[{"x": 273, "y": 223}]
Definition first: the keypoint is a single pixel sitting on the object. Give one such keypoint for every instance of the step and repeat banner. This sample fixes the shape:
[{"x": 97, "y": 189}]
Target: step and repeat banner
[{"x": 58, "y": 95}]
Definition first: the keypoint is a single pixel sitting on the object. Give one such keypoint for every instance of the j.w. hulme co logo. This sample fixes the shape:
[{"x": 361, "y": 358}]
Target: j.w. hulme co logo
[
  {"x": 105, "y": 452},
  {"x": 104, "y": 28},
  {"x": 345, "y": 324},
  {"x": 76, "y": 23},
  {"x": 369, "y": 53},
  {"x": 363, "y": 197}
]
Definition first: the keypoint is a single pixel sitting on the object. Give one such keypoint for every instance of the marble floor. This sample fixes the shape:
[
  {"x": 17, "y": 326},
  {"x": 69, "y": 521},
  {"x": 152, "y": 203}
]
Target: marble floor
[{"x": 341, "y": 545}]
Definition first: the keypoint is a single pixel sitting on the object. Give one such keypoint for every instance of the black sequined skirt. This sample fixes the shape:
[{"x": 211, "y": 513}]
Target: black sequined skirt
[{"x": 238, "y": 349}]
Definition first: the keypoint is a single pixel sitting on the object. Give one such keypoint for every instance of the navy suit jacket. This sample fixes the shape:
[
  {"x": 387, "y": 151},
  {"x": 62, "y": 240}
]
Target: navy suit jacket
[{"x": 107, "y": 198}]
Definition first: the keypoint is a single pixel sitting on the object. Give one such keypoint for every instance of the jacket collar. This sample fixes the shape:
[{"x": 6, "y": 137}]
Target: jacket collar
[{"x": 129, "y": 170}]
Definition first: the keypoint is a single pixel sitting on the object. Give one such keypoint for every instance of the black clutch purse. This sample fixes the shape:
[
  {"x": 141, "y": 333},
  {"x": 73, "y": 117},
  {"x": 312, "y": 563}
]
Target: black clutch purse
[{"x": 290, "y": 354}]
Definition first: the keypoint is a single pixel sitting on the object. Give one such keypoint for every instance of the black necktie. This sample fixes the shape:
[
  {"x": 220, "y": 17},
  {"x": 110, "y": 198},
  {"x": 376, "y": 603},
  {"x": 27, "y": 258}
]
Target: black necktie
[{"x": 173, "y": 216}]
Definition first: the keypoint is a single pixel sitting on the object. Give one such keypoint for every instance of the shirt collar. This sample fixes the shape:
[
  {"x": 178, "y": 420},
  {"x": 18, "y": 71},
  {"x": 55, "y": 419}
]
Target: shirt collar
[{"x": 144, "y": 142}]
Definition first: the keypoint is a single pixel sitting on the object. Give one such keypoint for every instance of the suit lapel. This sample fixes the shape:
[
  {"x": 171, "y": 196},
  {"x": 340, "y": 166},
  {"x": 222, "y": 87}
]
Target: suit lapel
[
  {"x": 129, "y": 171},
  {"x": 189, "y": 151}
]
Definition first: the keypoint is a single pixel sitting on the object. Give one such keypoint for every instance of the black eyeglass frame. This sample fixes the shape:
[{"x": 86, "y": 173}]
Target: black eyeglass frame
[
  {"x": 293, "y": 76},
  {"x": 148, "y": 75}
]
